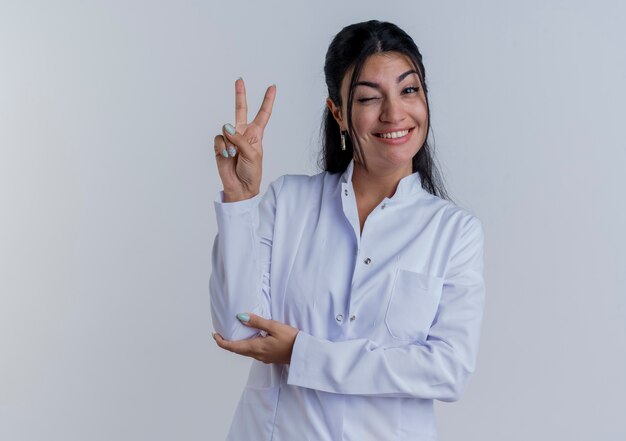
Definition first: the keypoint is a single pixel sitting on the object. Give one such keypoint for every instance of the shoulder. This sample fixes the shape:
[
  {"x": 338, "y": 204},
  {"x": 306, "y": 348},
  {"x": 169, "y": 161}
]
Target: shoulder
[
  {"x": 297, "y": 185},
  {"x": 456, "y": 219}
]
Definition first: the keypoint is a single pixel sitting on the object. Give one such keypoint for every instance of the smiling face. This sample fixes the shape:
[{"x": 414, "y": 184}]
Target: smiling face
[{"x": 389, "y": 113}]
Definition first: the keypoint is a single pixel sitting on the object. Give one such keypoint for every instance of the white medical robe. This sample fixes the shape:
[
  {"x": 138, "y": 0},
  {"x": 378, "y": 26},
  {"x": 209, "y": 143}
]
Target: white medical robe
[{"x": 389, "y": 319}]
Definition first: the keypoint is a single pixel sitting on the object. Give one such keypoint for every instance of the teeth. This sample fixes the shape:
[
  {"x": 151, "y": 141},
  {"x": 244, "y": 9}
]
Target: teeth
[{"x": 392, "y": 135}]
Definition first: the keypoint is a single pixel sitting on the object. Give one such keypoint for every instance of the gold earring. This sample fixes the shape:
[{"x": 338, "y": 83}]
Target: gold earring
[{"x": 343, "y": 140}]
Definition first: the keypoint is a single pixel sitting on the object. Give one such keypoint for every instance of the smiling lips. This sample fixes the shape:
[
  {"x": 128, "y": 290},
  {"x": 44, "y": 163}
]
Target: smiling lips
[{"x": 396, "y": 137}]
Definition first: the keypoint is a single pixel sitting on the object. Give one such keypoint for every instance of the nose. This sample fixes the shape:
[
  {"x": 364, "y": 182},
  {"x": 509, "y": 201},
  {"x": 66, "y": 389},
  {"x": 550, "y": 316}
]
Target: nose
[{"x": 392, "y": 111}]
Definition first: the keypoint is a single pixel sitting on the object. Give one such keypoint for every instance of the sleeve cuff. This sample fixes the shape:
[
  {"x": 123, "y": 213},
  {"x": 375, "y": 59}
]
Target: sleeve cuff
[
  {"x": 238, "y": 207},
  {"x": 297, "y": 365}
]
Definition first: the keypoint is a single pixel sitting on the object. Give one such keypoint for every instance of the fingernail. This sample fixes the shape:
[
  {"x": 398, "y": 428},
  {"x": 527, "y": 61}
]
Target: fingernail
[
  {"x": 240, "y": 78},
  {"x": 230, "y": 129},
  {"x": 214, "y": 337},
  {"x": 231, "y": 150},
  {"x": 224, "y": 153},
  {"x": 243, "y": 317}
]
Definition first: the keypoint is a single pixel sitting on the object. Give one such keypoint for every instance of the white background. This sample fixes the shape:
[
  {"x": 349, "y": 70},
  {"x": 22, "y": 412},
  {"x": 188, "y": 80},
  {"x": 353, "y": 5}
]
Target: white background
[{"x": 107, "y": 117}]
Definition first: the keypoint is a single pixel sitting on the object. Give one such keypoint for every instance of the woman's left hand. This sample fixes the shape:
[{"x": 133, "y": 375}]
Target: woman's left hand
[{"x": 276, "y": 347}]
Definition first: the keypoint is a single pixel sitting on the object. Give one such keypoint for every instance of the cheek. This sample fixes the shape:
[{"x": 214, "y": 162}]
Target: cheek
[
  {"x": 419, "y": 112},
  {"x": 422, "y": 113},
  {"x": 364, "y": 119}
]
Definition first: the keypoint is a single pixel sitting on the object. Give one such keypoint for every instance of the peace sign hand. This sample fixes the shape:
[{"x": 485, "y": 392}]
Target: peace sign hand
[{"x": 239, "y": 150}]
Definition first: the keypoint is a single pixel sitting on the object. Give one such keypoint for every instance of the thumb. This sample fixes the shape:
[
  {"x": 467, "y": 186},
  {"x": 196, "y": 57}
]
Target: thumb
[{"x": 255, "y": 321}]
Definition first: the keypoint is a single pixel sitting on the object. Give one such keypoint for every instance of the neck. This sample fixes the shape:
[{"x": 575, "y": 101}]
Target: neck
[{"x": 377, "y": 184}]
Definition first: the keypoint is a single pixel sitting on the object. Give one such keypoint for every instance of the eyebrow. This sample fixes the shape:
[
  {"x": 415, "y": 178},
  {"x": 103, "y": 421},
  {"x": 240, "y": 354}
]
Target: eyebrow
[{"x": 377, "y": 86}]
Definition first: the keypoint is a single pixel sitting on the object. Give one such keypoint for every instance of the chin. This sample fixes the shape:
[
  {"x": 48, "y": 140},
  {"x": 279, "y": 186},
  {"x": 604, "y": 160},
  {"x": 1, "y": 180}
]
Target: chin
[{"x": 403, "y": 158}]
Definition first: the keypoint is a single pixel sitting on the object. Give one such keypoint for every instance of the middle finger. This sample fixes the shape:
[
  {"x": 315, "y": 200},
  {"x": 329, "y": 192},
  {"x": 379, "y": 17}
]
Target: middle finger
[{"x": 265, "y": 111}]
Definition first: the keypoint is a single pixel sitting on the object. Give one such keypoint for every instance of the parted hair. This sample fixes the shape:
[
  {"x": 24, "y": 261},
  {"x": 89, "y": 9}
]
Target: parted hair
[{"x": 350, "y": 48}]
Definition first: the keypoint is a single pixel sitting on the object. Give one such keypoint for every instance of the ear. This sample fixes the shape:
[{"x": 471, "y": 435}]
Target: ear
[{"x": 336, "y": 112}]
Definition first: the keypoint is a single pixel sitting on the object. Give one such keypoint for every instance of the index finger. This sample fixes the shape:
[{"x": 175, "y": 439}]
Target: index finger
[
  {"x": 265, "y": 111},
  {"x": 241, "y": 104}
]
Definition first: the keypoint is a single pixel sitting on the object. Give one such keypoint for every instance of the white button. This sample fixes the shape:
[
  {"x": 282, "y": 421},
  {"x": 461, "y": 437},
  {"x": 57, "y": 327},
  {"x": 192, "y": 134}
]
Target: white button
[
  {"x": 382, "y": 207},
  {"x": 339, "y": 317},
  {"x": 353, "y": 318},
  {"x": 367, "y": 261}
]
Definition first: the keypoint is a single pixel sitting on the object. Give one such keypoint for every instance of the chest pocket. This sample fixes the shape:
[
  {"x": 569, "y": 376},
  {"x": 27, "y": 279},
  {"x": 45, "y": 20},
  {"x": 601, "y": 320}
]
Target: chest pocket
[{"x": 412, "y": 305}]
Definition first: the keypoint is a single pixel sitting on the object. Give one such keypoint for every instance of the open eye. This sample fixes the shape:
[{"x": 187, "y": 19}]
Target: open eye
[{"x": 411, "y": 89}]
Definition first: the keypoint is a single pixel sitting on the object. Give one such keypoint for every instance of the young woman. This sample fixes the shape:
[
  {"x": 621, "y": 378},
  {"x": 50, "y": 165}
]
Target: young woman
[{"x": 358, "y": 291}]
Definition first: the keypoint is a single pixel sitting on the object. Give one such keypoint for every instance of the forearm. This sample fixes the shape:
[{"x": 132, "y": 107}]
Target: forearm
[
  {"x": 237, "y": 278},
  {"x": 360, "y": 367}
]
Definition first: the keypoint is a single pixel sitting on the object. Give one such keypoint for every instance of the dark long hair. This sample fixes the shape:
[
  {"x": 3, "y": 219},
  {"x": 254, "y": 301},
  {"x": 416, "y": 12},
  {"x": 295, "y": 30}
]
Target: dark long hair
[{"x": 351, "y": 47}]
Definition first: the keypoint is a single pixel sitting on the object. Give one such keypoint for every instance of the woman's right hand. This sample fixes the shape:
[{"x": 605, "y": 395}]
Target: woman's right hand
[{"x": 241, "y": 168}]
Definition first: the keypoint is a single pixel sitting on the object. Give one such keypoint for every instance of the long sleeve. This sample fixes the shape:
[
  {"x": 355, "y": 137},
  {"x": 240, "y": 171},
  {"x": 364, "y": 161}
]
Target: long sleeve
[
  {"x": 240, "y": 274},
  {"x": 437, "y": 368}
]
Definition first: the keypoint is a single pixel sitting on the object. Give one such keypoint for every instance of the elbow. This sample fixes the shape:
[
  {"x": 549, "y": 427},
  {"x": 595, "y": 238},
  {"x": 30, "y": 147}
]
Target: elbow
[
  {"x": 241, "y": 332},
  {"x": 455, "y": 369},
  {"x": 456, "y": 379},
  {"x": 230, "y": 328},
  {"x": 224, "y": 319},
  {"x": 234, "y": 330},
  {"x": 451, "y": 393}
]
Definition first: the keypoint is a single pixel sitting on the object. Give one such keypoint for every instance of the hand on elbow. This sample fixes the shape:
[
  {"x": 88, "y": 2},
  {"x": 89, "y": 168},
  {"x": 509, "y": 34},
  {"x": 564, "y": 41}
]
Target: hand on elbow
[{"x": 275, "y": 347}]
